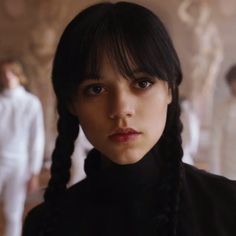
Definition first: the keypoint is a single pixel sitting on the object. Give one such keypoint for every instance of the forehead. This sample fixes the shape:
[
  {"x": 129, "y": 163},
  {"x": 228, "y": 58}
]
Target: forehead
[
  {"x": 109, "y": 67},
  {"x": 110, "y": 73}
]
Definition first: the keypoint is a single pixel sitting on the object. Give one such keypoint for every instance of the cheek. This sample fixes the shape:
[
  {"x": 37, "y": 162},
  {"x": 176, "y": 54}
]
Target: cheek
[
  {"x": 155, "y": 106},
  {"x": 91, "y": 122},
  {"x": 158, "y": 120},
  {"x": 155, "y": 116},
  {"x": 89, "y": 129},
  {"x": 87, "y": 120}
]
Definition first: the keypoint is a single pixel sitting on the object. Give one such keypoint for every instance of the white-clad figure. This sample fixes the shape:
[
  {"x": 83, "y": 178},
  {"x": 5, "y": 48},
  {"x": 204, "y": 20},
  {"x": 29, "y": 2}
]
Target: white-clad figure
[
  {"x": 223, "y": 139},
  {"x": 82, "y": 147},
  {"x": 191, "y": 131},
  {"x": 21, "y": 144}
]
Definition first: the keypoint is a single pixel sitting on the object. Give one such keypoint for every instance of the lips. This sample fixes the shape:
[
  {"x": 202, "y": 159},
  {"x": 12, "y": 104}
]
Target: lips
[{"x": 124, "y": 135}]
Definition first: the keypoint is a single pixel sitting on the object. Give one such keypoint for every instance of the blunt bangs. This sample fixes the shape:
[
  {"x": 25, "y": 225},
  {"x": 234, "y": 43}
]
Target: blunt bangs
[{"x": 128, "y": 34}]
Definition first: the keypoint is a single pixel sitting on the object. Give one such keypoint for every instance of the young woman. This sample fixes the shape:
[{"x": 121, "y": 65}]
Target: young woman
[{"x": 116, "y": 73}]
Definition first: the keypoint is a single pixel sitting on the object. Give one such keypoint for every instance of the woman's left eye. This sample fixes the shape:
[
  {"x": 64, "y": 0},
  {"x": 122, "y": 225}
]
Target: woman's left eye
[
  {"x": 142, "y": 84},
  {"x": 94, "y": 90}
]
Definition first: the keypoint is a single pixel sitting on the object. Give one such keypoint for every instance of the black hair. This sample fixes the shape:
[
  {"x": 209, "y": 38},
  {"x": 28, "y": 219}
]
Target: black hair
[
  {"x": 231, "y": 74},
  {"x": 128, "y": 34}
]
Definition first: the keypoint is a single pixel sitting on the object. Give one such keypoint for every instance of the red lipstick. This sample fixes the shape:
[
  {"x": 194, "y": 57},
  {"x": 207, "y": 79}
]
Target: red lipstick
[{"x": 122, "y": 135}]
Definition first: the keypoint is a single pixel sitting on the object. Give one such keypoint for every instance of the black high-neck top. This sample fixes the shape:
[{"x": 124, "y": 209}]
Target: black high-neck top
[
  {"x": 122, "y": 182},
  {"x": 122, "y": 197},
  {"x": 125, "y": 200}
]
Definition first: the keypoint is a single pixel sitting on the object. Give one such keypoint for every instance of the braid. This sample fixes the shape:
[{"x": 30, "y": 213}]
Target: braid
[
  {"x": 171, "y": 151},
  {"x": 68, "y": 129},
  {"x": 175, "y": 166}
]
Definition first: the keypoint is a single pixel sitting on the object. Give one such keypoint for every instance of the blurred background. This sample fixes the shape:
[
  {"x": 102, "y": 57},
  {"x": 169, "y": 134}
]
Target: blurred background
[{"x": 203, "y": 32}]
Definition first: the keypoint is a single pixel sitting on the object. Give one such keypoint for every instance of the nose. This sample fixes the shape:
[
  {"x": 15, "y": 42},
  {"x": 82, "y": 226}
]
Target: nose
[{"x": 122, "y": 105}]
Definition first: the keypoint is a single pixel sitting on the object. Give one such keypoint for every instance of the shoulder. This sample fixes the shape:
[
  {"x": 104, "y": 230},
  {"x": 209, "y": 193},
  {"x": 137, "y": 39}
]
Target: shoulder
[
  {"x": 207, "y": 181},
  {"x": 32, "y": 98},
  {"x": 34, "y": 220},
  {"x": 77, "y": 194},
  {"x": 76, "y": 198},
  {"x": 32, "y": 104},
  {"x": 209, "y": 191}
]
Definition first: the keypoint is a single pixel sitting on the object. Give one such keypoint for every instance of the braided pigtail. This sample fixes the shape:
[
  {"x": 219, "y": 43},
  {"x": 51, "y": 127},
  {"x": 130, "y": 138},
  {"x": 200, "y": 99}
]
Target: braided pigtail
[
  {"x": 68, "y": 129},
  {"x": 170, "y": 147},
  {"x": 175, "y": 167}
]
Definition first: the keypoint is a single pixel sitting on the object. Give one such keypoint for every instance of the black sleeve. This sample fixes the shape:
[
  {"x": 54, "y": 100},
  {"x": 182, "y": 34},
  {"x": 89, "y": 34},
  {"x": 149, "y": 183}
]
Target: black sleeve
[{"x": 34, "y": 221}]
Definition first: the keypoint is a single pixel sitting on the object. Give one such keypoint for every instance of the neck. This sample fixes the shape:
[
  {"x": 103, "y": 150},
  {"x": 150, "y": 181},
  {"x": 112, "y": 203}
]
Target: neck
[
  {"x": 123, "y": 180},
  {"x": 13, "y": 85}
]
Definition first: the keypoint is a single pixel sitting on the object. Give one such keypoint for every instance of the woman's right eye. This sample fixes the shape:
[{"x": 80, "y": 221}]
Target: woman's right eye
[{"x": 94, "y": 90}]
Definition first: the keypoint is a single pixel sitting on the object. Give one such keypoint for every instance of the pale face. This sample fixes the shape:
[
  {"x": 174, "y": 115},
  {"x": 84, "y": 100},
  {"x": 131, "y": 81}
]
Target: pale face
[{"x": 123, "y": 119}]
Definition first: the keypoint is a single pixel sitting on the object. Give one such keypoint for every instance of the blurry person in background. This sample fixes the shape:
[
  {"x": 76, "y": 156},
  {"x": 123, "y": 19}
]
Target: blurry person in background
[
  {"x": 223, "y": 146},
  {"x": 191, "y": 130},
  {"x": 21, "y": 144}
]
